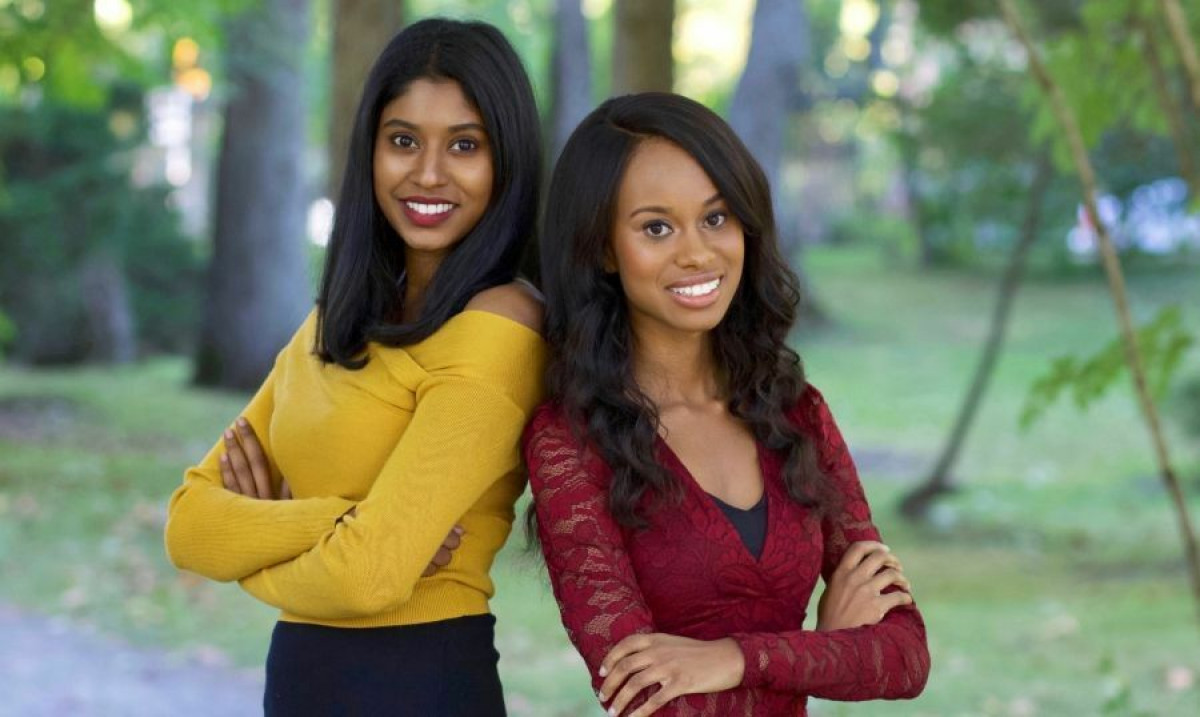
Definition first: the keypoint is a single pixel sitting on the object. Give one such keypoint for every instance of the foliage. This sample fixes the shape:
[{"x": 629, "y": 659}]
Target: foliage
[
  {"x": 970, "y": 173},
  {"x": 973, "y": 168},
  {"x": 7, "y": 331},
  {"x": 892, "y": 234},
  {"x": 1163, "y": 342},
  {"x": 67, "y": 197},
  {"x": 1187, "y": 405},
  {"x": 59, "y": 49}
]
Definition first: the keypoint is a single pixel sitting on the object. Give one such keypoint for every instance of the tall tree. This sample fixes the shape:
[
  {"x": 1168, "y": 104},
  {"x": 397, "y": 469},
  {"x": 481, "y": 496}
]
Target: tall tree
[
  {"x": 361, "y": 29},
  {"x": 257, "y": 286},
  {"x": 916, "y": 503},
  {"x": 766, "y": 95},
  {"x": 642, "y": 59},
  {"x": 570, "y": 74},
  {"x": 1134, "y": 353}
]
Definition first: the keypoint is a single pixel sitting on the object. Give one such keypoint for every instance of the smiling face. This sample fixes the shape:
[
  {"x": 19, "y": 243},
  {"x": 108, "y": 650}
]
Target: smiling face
[
  {"x": 678, "y": 249},
  {"x": 433, "y": 166}
]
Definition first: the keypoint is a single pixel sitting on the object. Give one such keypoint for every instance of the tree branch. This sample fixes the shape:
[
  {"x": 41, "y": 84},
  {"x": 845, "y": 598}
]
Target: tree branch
[{"x": 1116, "y": 281}]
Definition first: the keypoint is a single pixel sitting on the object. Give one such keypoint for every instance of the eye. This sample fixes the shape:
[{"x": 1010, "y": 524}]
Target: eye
[
  {"x": 657, "y": 229},
  {"x": 405, "y": 141},
  {"x": 715, "y": 219},
  {"x": 464, "y": 144}
]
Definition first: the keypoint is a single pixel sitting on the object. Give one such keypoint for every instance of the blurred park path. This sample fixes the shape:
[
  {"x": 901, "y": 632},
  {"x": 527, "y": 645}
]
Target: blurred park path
[{"x": 51, "y": 667}]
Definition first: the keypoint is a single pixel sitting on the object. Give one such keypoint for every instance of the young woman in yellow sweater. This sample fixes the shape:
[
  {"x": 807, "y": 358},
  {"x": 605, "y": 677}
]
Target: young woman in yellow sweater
[{"x": 394, "y": 413}]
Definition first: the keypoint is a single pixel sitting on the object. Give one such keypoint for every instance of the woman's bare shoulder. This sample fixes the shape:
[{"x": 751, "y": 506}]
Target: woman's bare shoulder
[{"x": 518, "y": 300}]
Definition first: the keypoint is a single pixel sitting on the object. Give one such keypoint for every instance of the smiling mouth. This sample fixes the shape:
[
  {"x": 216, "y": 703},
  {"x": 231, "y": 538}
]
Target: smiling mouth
[
  {"x": 429, "y": 209},
  {"x": 427, "y": 214},
  {"x": 696, "y": 291}
]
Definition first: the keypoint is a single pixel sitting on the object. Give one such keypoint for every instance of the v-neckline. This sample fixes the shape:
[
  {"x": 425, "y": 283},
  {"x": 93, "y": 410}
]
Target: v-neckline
[{"x": 710, "y": 504}]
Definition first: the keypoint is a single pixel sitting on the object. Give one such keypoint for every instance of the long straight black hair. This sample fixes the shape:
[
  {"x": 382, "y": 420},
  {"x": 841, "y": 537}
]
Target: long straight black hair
[
  {"x": 587, "y": 320},
  {"x": 360, "y": 296}
]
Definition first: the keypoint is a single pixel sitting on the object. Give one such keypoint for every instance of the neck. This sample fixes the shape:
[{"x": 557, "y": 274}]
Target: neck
[
  {"x": 419, "y": 269},
  {"x": 675, "y": 369}
]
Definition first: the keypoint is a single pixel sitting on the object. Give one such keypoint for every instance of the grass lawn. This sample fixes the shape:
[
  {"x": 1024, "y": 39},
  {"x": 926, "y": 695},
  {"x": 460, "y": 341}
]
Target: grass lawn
[{"x": 1052, "y": 582}]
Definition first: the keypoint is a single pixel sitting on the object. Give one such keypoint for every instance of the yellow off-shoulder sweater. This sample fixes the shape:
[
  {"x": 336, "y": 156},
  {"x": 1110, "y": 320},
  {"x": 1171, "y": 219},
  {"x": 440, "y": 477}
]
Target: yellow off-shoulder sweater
[{"x": 423, "y": 437}]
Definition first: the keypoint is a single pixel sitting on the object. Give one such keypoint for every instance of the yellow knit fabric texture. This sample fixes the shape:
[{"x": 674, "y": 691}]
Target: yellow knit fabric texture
[{"x": 422, "y": 438}]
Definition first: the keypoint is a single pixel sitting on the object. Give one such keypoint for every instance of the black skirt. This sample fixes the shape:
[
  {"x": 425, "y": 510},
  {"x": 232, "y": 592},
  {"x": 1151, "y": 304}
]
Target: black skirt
[{"x": 438, "y": 669}]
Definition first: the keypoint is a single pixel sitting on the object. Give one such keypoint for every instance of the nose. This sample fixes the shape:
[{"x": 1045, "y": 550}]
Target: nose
[
  {"x": 693, "y": 250},
  {"x": 430, "y": 169}
]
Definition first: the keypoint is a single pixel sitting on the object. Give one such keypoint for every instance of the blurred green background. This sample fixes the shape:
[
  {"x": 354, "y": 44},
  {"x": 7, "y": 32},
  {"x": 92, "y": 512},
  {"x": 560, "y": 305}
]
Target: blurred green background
[{"x": 149, "y": 261}]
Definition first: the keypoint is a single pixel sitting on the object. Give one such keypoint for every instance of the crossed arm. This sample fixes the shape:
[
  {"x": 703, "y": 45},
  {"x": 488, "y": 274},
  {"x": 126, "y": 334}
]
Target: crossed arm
[
  {"x": 246, "y": 471},
  {"x": 637, "y": 670},
  {"x": 227, "y": 534}
]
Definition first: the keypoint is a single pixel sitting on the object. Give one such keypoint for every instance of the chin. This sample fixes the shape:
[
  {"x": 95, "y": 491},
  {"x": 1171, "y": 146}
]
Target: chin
[
  {"x": 423, "y": 240},
  {"x": 697, "y": 324}
]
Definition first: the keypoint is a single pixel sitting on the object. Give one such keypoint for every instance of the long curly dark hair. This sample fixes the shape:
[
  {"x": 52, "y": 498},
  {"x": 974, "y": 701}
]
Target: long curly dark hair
[{"x": 587, "y": 320}]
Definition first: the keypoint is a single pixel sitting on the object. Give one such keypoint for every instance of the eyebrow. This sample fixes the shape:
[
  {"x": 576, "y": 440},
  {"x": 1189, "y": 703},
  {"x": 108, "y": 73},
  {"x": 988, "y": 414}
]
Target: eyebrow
[
  {"x": 396, "y": 122},
  {"x": 663, "y": 210}
]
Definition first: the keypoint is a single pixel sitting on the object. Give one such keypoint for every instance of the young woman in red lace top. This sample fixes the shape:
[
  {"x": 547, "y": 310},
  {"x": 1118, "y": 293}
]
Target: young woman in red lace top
[{"x": 689, "y": 485}]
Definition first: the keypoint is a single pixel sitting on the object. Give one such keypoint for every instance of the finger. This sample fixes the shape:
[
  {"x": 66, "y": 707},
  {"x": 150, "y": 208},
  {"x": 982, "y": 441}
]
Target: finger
[
  {"x": 871, "y": 564},
  {"x": 901, "y": 582},
  {"x": 894, "y": 562},
  {"x": 260, "y": 469},
  {"x": 441, "y": 558},
  {"x": 856, "y": 552},
  {"x": 629, "y": 665},
  {"x": 627, "y": 646},
  {"x": 430, "y": 569},
  {"x": 891, "y": 561},
  {"x": 894, "y": 600},
  {"x": 452, "y": 541},
  {"x": 665, "y": 694},
  {"x": 887, "y": 577},
  {"x": 285, "y": 490},
  {"x": 227, "y": 474},
  {"x": 237, "y": 462},
  {"x": 633, "y": 687}
]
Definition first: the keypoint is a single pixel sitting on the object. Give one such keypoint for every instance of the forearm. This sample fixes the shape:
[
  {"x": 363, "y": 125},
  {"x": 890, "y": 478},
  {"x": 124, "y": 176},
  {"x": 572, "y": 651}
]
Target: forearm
[
  {"x": 226, "y": 536},
  {"x": 462, "y": 439},
  {"x": 889, "y": 660}
]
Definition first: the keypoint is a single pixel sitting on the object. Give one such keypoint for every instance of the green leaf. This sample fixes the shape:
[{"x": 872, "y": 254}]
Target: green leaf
[{"x": 1162, "y": 343}]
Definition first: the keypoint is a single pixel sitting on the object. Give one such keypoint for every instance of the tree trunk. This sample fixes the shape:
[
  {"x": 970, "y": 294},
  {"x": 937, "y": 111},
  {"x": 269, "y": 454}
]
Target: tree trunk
[
  {"x": 916, "y": 504},
  {"x": 106, "y": 304},
  {"x": 1177, "y": 24},
  {"x": 257, "y": 288},
  {"x": 361, "y": 29},
  {"x": 1176, "y": 121},
  {"x": 762, "y": 104},
  {"x": 1116, "y": 283},
  {"x": 570, "y": 74},
  {"x": 642, "y": 59},
  {"x": 909, "y": 151}
]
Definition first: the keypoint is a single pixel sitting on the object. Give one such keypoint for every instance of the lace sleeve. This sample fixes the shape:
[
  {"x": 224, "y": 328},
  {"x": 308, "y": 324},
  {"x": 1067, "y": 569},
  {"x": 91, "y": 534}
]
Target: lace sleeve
[
  {"x": 593, "y": 581},
  {"x": 888, "y": 660},
  {"x": 590, "y": 571}
]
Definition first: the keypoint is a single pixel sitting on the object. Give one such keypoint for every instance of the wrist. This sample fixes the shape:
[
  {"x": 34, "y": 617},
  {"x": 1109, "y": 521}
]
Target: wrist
[{"x": 734, "y": 661}]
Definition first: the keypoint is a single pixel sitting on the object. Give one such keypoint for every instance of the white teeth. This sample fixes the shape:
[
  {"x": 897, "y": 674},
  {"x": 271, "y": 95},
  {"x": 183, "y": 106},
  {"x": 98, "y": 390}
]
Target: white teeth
[
  {"x": 429, "y": 208},
  {"x": 707, "y": 287}
]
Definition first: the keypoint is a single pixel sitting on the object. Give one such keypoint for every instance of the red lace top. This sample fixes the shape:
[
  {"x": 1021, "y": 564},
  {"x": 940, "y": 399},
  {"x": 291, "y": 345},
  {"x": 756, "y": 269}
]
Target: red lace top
[{"x": 689, "y": 573}]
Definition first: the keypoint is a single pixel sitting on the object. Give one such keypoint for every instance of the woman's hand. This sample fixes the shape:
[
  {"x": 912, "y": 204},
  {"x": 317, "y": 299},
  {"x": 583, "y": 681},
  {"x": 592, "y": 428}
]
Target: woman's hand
[
  {"x": 442, "y": 557},
  {"x": 244, "y": 466},
  {"x": 680, "y": 665},
  {"x": 852, "y": 597},
  {"x": 245, "y": 470}
]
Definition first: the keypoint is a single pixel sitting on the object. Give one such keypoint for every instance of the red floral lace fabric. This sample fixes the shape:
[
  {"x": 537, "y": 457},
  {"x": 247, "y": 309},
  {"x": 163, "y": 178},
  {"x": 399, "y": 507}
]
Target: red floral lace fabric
[{"x": 688, "y": 573}]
